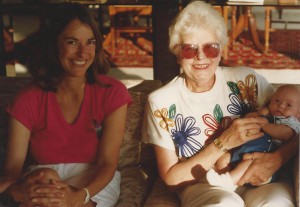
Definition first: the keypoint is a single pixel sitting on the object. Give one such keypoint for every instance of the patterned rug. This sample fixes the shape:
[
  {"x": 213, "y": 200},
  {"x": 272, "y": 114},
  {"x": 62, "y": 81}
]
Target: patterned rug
[
  {"x": 284, "y": 52},
  {"x": 131, "y": 51}
]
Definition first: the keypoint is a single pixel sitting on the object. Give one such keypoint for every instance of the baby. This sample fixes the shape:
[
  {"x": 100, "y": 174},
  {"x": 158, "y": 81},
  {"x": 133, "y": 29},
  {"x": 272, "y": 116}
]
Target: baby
[{"x": 282, "y": 123}]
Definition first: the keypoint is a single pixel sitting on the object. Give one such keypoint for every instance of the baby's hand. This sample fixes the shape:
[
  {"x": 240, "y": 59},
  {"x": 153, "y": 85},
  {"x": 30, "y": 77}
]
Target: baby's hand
[
  {"x": 263, "y": 121},
  {"x": 264, "y": 111}
]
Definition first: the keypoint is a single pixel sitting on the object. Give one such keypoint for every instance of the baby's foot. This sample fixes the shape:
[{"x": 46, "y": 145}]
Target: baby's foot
[{"x": 222, "y": 180}]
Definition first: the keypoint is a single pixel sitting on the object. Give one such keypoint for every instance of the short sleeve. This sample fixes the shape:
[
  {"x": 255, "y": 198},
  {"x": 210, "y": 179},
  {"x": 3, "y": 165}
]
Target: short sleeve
[
  {"x": 155, "y": 128},
  {"x": 116, "y": 96},
  {"x": 25, "y": 107},
  {"x": 291, "y": 122},
  {"x": 108, "y": 98}
]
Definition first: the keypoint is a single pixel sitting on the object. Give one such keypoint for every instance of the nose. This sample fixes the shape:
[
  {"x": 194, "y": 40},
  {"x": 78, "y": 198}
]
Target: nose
[
  {"x": 200, "y": 55},
  {"x": 82, "y": 49},
  {"x": 281, "y": 105}
]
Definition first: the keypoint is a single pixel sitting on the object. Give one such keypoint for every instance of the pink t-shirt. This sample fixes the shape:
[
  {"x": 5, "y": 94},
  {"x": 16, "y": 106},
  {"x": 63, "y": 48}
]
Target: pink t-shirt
[{"x": 53, "y": 140}]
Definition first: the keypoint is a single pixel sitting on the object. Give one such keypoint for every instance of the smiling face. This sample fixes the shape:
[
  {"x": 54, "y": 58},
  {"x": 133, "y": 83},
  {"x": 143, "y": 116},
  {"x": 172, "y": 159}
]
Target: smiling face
[
  {"x": 77, "y": 46},
  {"x": 285, "y": 102},
  {"x": 200, "y": 70}
]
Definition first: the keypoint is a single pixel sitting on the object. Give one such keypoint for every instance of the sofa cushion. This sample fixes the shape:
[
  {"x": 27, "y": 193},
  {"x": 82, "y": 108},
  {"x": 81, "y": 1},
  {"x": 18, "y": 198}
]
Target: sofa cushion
[
  {"x": 132, "y": 147},
  {"x": 135, "y": 186},
  {"x": 161, "y": 196},
  {"x": 136, "y": 160}
]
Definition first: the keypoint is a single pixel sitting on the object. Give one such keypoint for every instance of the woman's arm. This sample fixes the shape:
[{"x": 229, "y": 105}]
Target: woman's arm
[
  {"x": 109, "y": 148},
  {"x": 17, "y": 145},
  {"x": 22, "y": 191},
  {"x": 177, "y": 174},
  {"x": 108, "y": 154}
]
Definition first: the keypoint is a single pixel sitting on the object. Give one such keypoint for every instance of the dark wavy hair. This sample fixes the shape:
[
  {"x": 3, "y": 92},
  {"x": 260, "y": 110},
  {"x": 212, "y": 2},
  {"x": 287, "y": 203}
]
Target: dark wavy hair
[{"x": 44, "y": 64}]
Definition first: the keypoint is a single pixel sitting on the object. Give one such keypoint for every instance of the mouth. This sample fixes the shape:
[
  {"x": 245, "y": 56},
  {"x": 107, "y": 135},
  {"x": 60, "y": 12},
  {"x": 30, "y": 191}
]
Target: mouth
[
  {"x": 79, "y": 62},
  {"x": 201, "y": 66},
  {"x": 277, "y": 113}
]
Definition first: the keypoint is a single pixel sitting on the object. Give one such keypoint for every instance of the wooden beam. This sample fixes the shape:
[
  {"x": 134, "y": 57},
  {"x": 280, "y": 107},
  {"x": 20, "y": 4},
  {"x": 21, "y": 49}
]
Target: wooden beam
[{"x": 164, "y": 62}]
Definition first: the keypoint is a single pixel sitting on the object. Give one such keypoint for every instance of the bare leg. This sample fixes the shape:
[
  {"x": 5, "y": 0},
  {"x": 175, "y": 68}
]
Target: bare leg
[
  {"x": 228, "y": 180},
  {"x": 239, "y": 170},
  {"x": 222, "y": 165},
  {"x": 48, "y": 174}
]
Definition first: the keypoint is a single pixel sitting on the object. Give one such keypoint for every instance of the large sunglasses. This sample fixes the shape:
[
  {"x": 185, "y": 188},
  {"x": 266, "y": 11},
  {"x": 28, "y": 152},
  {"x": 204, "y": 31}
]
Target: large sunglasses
[{"x": 189, "y": 51}]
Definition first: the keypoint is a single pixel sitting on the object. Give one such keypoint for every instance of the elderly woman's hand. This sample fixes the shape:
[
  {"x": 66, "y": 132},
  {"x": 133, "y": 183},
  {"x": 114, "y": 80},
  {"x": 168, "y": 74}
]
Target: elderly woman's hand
[
  {"x": 241, "y": 131},
  {"x": 262, "y": 168}
]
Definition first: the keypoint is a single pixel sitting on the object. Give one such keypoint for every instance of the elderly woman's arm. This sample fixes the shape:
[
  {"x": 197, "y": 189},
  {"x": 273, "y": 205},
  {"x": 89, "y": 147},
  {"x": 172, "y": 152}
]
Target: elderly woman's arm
[
  {"x": 177, "y": 174},
  {"x": 265, "y": 164}
]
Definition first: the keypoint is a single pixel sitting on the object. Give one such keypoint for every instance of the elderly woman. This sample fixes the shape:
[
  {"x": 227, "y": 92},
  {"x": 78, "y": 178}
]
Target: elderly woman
[
  {"x": 192, "y": 121},
  {"x": 70, "y": 120}
]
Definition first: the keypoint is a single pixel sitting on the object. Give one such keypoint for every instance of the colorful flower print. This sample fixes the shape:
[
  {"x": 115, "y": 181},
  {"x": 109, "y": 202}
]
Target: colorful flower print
[
  {"x": 237, "y": 107},
  {"x": 182, "y": 136},
  {"x": 247, "y": 92},
  {"x": 216, "y": 125},
  {"x": 249, "y": 89},
  {"x": 172, "y": 111},
  {"x": 165, "y": 122},
  {"x": 234, "y": 88}
]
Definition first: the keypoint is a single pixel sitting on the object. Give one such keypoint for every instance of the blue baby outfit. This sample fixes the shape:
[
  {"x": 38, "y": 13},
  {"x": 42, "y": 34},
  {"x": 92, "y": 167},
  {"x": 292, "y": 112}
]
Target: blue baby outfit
[{"x": 265, "y": 143}]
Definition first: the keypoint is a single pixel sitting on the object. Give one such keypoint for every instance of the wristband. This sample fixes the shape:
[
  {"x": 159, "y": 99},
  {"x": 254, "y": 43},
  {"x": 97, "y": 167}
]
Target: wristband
[
  {"x": 219, "y": 145},
  {"x": 87, "y": 197}
]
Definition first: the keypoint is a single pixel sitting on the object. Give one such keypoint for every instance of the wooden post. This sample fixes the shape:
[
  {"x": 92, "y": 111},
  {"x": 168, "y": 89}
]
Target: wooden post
[
  {"x": 2, "y": 51},
  {"x": 164, "y": 62}
]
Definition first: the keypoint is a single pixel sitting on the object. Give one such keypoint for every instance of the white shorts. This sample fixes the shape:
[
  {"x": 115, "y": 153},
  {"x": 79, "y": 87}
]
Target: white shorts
[{"x": 79, "y": 174}]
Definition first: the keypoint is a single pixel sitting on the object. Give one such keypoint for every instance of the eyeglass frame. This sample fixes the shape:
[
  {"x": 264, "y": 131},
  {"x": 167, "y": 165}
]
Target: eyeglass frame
[{"x": 202, "y": 46}]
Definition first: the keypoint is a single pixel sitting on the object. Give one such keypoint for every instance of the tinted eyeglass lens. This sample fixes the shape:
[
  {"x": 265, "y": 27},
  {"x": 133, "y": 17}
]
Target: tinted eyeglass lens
[
  {"x": 189, "y": 51},
  {"x": 211, "y": 50}
]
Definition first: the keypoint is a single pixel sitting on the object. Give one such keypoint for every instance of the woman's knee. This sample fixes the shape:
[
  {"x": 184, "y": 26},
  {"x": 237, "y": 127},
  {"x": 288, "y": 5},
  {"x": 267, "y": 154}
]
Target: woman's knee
[
  {"x": 44, "y": 175},
  {"x": 208, "y": 196},
  {"x": 273, "y": 194},
  {"x": 215, "y": 201},
  {"x": 224, "y": 199}
]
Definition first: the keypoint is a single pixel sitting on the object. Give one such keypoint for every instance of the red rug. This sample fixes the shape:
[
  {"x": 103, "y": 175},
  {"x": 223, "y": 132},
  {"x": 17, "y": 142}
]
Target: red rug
[
  {"x": 284, "y": 52},
  {"x": 131, "y": 52}
]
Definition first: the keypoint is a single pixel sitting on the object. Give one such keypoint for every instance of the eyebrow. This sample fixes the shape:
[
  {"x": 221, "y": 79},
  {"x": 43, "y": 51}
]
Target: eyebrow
[{"x": 73, "y": 38}]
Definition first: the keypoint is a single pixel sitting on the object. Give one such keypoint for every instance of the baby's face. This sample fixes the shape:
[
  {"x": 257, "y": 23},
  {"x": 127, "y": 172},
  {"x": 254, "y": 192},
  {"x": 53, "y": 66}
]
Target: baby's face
[{"x": 285, "y": 102}]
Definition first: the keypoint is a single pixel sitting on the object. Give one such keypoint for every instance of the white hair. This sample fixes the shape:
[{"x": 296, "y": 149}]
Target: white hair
[{"x": 195, "y": 15}]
